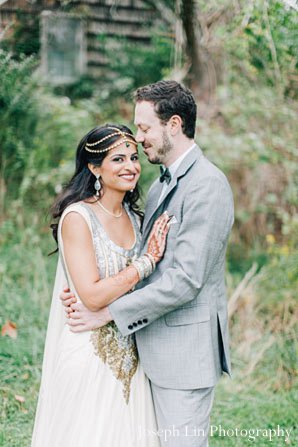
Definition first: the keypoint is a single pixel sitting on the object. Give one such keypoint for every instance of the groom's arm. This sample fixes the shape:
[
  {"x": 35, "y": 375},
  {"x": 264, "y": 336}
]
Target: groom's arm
[{"x": 205, "y": 227}]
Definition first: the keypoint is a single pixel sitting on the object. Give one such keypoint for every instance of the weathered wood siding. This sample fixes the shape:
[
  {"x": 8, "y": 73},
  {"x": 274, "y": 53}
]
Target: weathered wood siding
[{"x": 132, "y": 19}]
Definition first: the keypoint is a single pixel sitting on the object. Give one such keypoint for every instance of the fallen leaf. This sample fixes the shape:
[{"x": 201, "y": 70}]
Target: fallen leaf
[
  {"x": 10, "y": 329},
  {"x": 19, "y": 398}
]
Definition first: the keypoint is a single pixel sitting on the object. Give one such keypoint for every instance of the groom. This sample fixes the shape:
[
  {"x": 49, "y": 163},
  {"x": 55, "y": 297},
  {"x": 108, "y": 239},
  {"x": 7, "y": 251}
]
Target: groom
[{"x": 179, "y": 313}]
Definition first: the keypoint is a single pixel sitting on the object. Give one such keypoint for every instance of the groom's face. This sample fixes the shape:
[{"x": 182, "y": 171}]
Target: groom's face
[{"x": 151, "y": 133}]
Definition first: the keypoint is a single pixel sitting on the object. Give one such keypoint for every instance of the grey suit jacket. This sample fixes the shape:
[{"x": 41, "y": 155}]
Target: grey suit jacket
[{"x": 179, "y": 313}]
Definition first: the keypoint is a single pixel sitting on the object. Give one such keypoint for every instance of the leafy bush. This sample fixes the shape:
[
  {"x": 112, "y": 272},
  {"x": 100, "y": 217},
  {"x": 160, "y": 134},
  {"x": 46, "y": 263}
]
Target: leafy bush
[
  {"x": 18, "y": 119},
  {"x": 253, "y": 139},
  {"x": 24, "y": 38},
  {"x": 136, "y": 64},
  {"x": 51, "y": 163},
  {"x": 260, "y": 44},
  {"x": 38, "y": 133}
]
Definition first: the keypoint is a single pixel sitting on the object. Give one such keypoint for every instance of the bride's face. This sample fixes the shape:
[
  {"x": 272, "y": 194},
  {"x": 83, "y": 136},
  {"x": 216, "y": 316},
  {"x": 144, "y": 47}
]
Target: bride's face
[{"x": 121, "y": 169}]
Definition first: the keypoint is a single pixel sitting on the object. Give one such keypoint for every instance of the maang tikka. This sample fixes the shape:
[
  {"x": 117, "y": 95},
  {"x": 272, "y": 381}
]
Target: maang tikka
[{"x": 97, "y": 185}]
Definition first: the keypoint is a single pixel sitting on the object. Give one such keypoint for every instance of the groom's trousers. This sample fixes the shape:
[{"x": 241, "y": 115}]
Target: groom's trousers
[{"x": 183, "y": 416}]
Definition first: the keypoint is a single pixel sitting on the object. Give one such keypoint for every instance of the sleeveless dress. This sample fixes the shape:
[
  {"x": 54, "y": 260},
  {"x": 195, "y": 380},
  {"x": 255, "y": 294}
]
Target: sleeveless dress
[{"x": 93, "y": 391}]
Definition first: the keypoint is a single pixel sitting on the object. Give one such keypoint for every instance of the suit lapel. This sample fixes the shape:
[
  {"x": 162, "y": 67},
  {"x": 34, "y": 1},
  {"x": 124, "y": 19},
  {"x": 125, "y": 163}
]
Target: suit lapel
[
  {"x": 152, "y": 200},
  {"x": 152, "y": 208}
]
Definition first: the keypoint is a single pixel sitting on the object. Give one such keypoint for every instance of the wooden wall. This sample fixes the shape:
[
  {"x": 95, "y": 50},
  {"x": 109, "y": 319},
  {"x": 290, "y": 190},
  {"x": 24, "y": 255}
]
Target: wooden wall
[{"x": 132, "y": 19}]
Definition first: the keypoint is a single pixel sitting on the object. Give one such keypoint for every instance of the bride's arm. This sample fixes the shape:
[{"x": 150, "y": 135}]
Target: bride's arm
[{"x": 93, "y": 291}]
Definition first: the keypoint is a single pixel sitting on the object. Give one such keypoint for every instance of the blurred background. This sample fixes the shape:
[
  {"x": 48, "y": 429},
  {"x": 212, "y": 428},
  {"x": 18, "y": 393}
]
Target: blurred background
[{"x": 66, "y": 66}]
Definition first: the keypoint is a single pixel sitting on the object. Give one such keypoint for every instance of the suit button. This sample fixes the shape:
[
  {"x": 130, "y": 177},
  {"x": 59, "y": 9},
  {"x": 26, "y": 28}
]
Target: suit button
[
  {"x": 140, "y": 322},
  {"x": 145, "y": 320},
  {"x": 130, "y": 327},
  {"x": 135, "y": 324}
]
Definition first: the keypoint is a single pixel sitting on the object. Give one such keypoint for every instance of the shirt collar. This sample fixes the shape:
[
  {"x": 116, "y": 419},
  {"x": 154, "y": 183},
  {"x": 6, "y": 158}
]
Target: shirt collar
[{"x": 174, "y": 166}]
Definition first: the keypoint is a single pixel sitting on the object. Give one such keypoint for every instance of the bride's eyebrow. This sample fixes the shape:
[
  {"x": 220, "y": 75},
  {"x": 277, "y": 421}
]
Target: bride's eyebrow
[
  {"x": 117, "y": 155},
  {"x": 124, "y": 155}
]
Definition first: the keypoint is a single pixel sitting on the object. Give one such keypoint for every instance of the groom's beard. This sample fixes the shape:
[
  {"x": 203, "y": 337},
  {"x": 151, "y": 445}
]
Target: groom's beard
[{"x": 162, "y": 152}]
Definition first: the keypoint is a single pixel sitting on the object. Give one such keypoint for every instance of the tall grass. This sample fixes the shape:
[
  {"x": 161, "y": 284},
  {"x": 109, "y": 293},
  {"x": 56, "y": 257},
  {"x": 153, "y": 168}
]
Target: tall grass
[{"x": 26, "y": 275}]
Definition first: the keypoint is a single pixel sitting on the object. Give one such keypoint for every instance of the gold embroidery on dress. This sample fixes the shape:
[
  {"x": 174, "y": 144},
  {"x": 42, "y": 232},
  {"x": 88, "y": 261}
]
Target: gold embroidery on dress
[{"x": 118, "y": 352}]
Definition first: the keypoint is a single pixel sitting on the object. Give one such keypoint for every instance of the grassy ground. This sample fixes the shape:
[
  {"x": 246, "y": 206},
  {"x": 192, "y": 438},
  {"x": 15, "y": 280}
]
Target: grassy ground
[
  {"x": 249, "y": 408},
  {"x": 26, "y": 281}
]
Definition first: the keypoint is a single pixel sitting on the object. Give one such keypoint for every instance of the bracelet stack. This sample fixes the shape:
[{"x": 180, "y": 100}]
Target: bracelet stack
[{"x": 144, "y": 265}]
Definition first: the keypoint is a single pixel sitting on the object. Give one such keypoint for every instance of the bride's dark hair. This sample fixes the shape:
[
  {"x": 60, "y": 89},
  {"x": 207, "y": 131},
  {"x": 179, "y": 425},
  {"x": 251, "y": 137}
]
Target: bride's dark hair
[{"x": 81, "y": 185}]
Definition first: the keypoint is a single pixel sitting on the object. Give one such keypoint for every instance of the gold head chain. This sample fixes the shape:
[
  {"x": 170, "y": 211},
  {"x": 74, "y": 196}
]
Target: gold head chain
[{"x": 126, "y": 138}]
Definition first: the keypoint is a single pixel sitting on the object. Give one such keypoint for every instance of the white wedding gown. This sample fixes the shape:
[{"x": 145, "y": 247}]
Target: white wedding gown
[{"x": 93, "y": 391}]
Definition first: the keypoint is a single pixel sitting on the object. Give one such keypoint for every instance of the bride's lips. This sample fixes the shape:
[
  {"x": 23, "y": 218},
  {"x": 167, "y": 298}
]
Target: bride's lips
[{"x": 128, "y": 177}]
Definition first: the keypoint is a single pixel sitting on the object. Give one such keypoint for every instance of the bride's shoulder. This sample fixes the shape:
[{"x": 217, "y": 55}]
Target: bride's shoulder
[
  {"x": 75, "y": 209},
  {"x": 77, "y": 206}
]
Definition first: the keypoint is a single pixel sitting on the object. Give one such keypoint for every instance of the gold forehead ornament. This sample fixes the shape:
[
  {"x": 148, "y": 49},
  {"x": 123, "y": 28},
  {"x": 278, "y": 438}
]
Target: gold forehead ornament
[{"x": 125, "y": 138}]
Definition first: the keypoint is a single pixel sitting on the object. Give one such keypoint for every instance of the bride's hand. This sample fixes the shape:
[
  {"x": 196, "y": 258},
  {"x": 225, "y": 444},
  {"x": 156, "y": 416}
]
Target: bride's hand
[{"x": 158, "y": 236}]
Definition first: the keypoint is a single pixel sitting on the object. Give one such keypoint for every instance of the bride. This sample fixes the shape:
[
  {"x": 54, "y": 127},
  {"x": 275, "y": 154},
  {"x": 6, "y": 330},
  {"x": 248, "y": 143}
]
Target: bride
[{"x": 93, "y": 390}]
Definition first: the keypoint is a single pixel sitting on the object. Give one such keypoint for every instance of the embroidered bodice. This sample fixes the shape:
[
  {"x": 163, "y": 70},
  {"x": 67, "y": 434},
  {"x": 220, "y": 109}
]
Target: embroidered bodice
[{"x": 117, "y": 351}]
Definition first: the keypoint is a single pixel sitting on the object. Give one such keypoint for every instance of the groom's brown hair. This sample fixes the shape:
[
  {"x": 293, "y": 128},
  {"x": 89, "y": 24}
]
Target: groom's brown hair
[{"x": 171, "y": 98}]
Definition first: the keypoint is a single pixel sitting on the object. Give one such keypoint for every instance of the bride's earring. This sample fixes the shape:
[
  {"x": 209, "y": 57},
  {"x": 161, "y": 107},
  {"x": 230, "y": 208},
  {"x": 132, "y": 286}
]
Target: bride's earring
[
  {"x": 131, "y": 190},
  {"x": 97, "y": 185}
]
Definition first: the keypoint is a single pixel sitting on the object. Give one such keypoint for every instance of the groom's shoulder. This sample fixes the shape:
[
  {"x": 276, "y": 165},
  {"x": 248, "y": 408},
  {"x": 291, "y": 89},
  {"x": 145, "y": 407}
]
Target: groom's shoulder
[{"x": 204, "y": 168}]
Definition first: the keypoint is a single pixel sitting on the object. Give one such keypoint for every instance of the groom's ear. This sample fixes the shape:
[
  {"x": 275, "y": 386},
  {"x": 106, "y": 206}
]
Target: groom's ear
[{"x": 175, "y": 125}]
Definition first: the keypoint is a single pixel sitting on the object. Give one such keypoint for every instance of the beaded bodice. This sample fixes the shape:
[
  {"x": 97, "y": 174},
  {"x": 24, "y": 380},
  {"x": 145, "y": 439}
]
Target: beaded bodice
[{"x": 117, "y": 351}]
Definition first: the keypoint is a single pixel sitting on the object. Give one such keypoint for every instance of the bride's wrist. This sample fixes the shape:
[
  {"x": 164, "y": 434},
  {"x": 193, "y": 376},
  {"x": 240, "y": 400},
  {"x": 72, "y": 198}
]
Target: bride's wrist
[
  {"x": 152, "y": 259},
  {"x": 144, "y": 265}
]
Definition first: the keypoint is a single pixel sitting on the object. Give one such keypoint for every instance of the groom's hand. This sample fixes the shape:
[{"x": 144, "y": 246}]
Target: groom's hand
[
  {"x": 82, "y": 319},
  {"x": 67, "y": 297}
]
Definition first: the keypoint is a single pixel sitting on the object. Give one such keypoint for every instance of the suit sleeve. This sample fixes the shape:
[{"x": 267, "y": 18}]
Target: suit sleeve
[{"x": 207, "y": 219}]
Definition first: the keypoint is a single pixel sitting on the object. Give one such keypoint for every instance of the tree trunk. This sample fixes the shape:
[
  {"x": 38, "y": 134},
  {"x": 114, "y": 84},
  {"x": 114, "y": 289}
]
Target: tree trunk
[{"x": 201, "y": 76}]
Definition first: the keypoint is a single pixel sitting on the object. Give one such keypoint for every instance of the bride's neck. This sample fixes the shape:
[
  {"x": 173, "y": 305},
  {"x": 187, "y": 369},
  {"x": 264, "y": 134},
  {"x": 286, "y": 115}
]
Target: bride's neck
[{"x": 112, "y": 200}]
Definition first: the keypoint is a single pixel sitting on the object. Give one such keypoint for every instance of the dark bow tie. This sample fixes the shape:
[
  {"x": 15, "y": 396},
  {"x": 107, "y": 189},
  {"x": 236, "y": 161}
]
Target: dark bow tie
[{"x": 165, "y": 175}]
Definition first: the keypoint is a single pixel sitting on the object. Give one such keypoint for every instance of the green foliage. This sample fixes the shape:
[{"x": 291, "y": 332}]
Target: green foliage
[
  {"x": 18, "y": 118},
  {"x": 24, "y": 38},
  {"x": 253, "y": 139},
  {"x": 84, "y": 88},
  {"x": 136, "y": 64},
  {"x": 269, "y": 30},
  {"x": 260, "y": 44},
  {"x": 51, "y": 163},
  {"x": 38, "y": 133}
]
